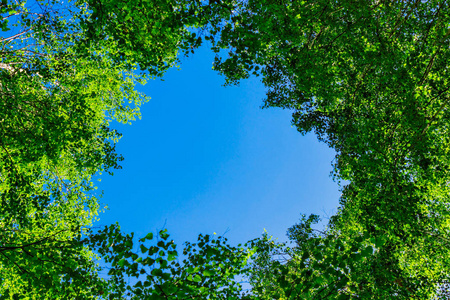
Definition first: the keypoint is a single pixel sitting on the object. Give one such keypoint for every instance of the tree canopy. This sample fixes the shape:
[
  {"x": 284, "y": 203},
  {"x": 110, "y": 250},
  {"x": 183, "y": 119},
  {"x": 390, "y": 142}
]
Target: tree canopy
[{"x": 370, "y": 78}]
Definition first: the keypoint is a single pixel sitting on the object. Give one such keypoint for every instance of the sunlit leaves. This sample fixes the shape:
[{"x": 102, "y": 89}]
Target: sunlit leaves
[
  {"x": 369, "y": 78},
  {"x": 208, "y": 269},
  {"x": 57, "y": 103}
]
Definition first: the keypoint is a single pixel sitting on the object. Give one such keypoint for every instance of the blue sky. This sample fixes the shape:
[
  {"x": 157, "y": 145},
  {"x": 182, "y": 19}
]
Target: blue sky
[{"x": 206, "y": 158}]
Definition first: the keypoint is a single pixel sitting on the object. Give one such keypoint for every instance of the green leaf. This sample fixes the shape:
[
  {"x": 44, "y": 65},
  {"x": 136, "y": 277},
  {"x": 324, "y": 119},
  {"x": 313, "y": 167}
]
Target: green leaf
[
  {"x": 208, "y": 273},
  {"x": 368, "y": 251},
  {"x": 121, "y": 262},
  {"x": 149, "y": 236},
  {"x": 157, "y": 272}
]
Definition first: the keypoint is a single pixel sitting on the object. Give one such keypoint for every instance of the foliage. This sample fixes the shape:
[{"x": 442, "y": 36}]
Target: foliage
[
  {"x": 207, "y": 271},
  {"x": 328, "y": 265},
  {"x": 56, "y": 105},
  {"x": 67, "y": 70},
  {"x": 370, "y": 78}
]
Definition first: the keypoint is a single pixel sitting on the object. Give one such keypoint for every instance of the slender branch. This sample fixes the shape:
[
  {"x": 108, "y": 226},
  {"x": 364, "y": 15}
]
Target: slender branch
[
  {"x": 399, "y": 23},
  {"x": 429, "y": 66},
  {"x": 19, "y": 267},
  {"x": 30, "y": 244},
  {"x": 435, "y": 115},
  {"x": 12, "y": 15},
  {"x": 14, "y": 36}
]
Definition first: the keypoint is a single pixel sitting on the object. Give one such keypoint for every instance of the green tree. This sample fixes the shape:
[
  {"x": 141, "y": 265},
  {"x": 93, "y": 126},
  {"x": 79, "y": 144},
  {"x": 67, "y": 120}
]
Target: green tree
[
  {"x": 370, "y": 79},
  {"x": 61, "y": 84},
  {"x": 208, "y": 270},
  {"x": 67, "y": 70},
  {"x": 325, "y": 264}
]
